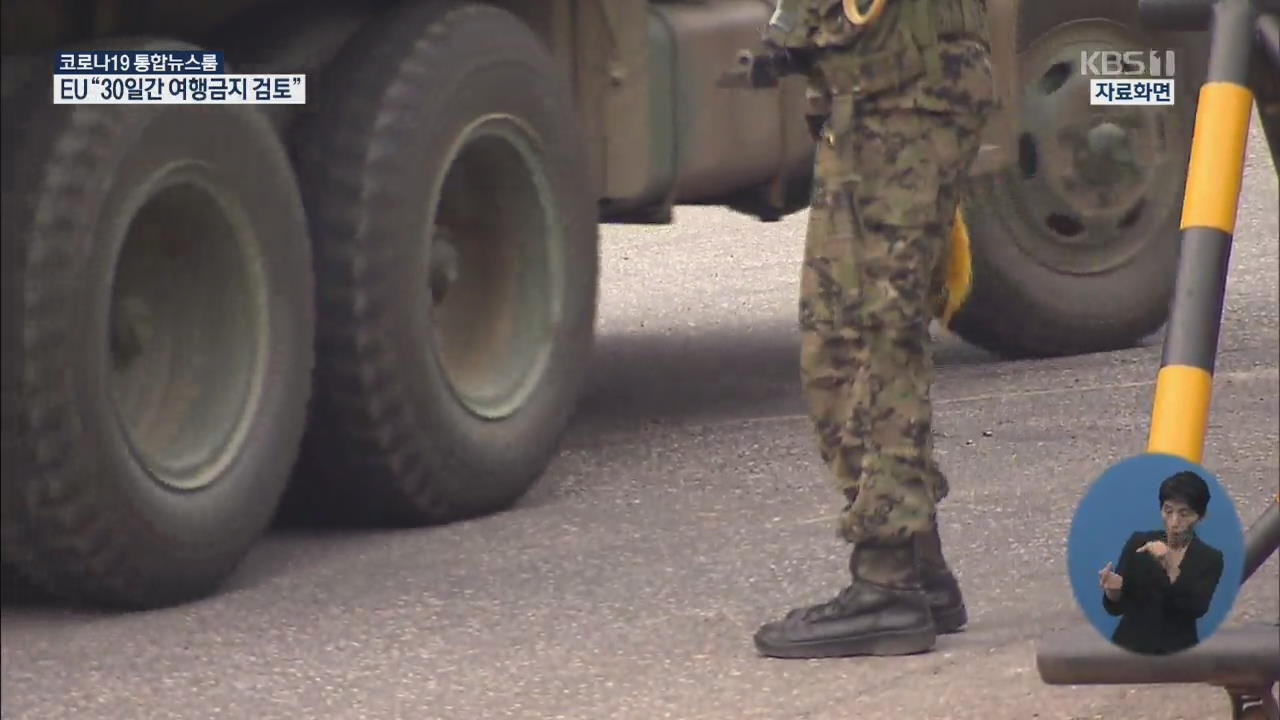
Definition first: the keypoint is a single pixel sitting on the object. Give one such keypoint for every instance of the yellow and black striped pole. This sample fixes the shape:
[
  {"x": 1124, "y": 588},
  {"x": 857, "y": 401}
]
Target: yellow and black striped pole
[{"x": 1180, "y": 411}]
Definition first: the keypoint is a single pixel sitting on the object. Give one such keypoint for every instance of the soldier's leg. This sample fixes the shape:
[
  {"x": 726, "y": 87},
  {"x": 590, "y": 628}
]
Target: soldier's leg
[
  {"x": 847, "y": 308},
  {"x": 902, "y": 489},
  {"x": 902, "y": 242},
  {"x": 829, "y": 367},
  {"x": 968, "y": 69},
  {"x": 946, "y": 601},
  {"x": 875, "y": 237},
  {"x": 820, "y": 362}
]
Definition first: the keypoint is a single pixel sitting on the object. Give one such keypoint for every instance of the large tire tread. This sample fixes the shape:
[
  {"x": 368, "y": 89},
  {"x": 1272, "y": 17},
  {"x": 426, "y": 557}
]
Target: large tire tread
[
  {"x": 366, "y": 455},
  {"x": 67, "y": 525},
  {"x": 57, "y": 515}
]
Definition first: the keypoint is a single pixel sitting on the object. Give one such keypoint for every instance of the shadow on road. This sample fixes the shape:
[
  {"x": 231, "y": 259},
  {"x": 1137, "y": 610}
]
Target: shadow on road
[{"x": 640, "y": 380}]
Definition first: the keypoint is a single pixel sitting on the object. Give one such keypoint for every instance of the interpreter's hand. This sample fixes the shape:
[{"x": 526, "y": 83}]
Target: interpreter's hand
[
  {"x": 1110, "y": 581},
  {"x": 1158, "y": 550}
]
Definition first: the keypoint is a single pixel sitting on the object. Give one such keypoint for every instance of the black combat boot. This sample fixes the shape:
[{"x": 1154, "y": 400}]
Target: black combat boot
[
  {"x": 883, "y": 612},
  {"x": 940, "y": 584}
]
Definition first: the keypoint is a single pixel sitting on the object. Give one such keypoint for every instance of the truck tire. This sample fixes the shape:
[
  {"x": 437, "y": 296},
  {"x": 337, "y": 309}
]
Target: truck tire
[
  {"x": 158, "y": 342},
  {"x": 456, "y": 240},
  {"x": 1075, "y": 244}
]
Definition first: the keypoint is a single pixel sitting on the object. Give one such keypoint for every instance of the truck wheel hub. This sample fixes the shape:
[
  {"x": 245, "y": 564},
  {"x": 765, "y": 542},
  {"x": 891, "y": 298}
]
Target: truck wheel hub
[
  {"x": 496, "y": 263},
  {"x": 1088, "y": 177},
  {"x": 186, "y": 333}
]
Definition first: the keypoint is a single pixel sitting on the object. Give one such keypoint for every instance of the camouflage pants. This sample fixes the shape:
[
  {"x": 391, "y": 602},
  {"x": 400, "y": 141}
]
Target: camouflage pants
[{"x": 887, "y": 180}]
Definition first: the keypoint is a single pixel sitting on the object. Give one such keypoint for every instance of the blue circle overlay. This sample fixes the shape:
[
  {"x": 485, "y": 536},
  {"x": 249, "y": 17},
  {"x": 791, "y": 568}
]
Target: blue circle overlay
[{"x": 1124, "y": 500}]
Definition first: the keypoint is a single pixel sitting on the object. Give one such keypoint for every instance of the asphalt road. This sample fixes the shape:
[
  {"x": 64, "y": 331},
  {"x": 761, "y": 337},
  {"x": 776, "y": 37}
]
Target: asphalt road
[{"x": 687, "y": 507}]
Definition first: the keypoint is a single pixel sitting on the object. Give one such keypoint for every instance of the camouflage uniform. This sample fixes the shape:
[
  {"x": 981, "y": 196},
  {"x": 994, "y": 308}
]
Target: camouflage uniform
[{"x": 902, "y": 102}]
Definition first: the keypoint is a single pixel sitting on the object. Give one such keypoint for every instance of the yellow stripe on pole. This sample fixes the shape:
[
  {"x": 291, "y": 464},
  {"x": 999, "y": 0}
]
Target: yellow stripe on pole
[
  {"x": 1180, "y": 413},
  {"x": 1217, "y": 156}
]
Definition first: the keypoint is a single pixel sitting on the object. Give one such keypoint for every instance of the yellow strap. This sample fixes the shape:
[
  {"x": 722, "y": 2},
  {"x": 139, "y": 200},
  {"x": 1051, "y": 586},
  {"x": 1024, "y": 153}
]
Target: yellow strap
[
  {"x": 855, "y": 15},
  {"x": 959, "y": 273}
]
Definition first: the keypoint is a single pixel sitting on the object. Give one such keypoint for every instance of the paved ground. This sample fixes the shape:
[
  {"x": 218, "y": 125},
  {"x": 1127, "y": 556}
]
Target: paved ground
[{"x": 688, "y": 507}]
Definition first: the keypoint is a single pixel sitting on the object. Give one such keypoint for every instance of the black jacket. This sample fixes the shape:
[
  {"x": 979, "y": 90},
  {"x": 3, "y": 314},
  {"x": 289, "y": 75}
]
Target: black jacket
[{"x": 1156, "y": 616}]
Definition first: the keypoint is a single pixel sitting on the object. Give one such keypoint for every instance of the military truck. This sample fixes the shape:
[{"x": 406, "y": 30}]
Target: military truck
[{"x": 382, "y": 302}]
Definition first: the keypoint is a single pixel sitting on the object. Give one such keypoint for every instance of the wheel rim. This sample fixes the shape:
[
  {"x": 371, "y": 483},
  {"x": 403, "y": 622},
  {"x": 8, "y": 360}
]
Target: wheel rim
[
  {"x": 187, "y": 331},
  {"x": 1091, "y": 183},
  {"x": 495, "y": 266}
]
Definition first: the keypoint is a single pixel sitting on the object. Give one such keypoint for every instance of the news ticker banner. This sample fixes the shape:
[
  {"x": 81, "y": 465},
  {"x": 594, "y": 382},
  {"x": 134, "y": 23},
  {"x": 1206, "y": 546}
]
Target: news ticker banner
[
  {"x": 166, "y": 77},
  {"x": 196, "y": 77}
]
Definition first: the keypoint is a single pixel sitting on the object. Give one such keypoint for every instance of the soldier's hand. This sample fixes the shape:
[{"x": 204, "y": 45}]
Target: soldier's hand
[
  {"x": 816, "y": 123},
  {"x": 817, "y": 110}
]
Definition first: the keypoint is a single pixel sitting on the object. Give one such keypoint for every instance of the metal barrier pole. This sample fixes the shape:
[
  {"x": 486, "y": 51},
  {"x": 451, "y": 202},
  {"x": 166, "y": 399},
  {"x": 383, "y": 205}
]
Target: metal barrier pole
[
  {"x": 1180, "y": 411},
  {"x": 1260, "y": 540},
  {"x": 1269, "y": 38}
]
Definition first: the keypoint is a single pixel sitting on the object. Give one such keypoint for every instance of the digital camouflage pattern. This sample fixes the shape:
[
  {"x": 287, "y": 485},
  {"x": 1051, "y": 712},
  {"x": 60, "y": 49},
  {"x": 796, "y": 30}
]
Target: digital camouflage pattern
[
  {"x": 902, "y": 103},
  {"x": 887, "y": 179}
]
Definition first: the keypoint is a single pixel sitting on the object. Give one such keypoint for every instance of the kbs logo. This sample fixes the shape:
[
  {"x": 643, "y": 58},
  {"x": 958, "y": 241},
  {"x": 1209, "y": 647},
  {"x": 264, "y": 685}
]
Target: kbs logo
[
  {"x": 1129, "y": 77},
  {"x": 1127, "y": 63}
]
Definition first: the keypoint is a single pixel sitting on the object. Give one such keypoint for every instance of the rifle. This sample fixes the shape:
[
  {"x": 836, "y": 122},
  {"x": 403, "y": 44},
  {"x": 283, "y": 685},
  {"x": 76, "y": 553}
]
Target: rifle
[{"x": 761, "y": 70}]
